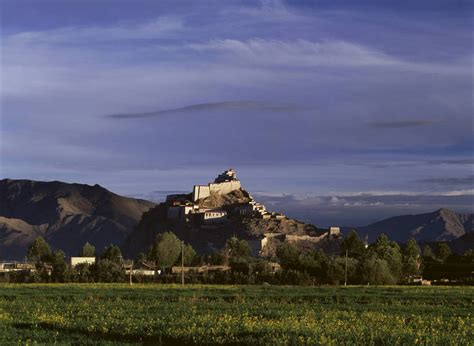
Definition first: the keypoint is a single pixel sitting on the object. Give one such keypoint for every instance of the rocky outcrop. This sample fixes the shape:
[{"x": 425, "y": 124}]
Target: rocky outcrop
[
  {"x": 208, "y": 238},
  {"x": 234, "y": 211}
]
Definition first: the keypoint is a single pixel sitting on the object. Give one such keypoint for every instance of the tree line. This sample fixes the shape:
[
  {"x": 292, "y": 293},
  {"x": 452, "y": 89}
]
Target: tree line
[{"x": 380, "y": 263}]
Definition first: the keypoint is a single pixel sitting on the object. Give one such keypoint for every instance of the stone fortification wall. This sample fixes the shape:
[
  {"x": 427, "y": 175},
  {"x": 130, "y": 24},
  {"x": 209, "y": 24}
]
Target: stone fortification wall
[
  {"x": 204, "y": 191},
  {"x": 201, "y": 191},
  {"x": 290, "y": 238},
  {"x": 225, "y": 187}
]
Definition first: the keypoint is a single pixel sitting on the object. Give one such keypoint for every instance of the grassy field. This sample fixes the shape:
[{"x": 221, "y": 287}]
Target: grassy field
[{"x": 169, "y": 314}]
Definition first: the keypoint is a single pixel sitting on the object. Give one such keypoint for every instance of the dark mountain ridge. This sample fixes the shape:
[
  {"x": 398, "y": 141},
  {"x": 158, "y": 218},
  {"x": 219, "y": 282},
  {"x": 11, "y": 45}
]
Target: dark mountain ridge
[
  {"x": 440, "y": 225},
  {"x": 67, "y": 215}
]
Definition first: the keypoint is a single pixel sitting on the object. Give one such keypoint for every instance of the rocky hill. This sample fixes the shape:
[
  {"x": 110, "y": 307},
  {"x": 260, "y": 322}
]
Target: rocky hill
[
  {"x": 206, "y": 239},
  {"x": 238, "y": 215},
  {"x": 66, "y": 215},
  {"x": 440, "y": 225}
]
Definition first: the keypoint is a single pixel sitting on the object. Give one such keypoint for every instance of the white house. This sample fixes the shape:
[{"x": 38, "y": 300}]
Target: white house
[
  {"x": 213, "y": 216},
  {"x": 74, "y": 261}
]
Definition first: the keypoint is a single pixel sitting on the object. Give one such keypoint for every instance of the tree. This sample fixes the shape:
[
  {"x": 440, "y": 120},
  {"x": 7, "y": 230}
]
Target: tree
[
  {"x": 107, "y": 271},
  {"x": 411, "y": 259},
  {"x": 112, "y": 253},
  {"x": 376, "y": 271},
  {"x": 336, "y": 271},
  {"x": 58, "y": 262},
  {"x": 142, "y": 257},
  {"x": 442, "y": 251},
  {"x": 314, "y": 263},
  {"x": 468, "y": 256},
  {"x": 189, "y": 255},
  {"x": 39, "y": 251},
  {"x": 165, "y": 250},
  {"x": 83, "y": 272},
  {"x": 218, "y": 257},
  {"x": 237, "y": 254},
  {"x": 427, "y": 252},
  {"x": 238, "y": 248},
  {"x": 354, "y": 246},
  {"x": 288, "y": 255},
  {"x": 390, "y": 252},
  {"x": 88, "y": 250}
]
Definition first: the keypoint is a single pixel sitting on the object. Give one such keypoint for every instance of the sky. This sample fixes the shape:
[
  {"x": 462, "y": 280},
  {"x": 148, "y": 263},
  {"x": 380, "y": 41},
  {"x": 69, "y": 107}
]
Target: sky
[{"x": 334, "y": 112}]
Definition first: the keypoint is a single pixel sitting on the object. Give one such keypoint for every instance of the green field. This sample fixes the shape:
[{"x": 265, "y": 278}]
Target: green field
[{"x": 169, "y": 314}]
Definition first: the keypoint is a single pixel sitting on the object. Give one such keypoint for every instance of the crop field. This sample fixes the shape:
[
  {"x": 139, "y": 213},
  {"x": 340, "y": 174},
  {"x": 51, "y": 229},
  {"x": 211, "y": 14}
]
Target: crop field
[{"x": 260, "y": 315}]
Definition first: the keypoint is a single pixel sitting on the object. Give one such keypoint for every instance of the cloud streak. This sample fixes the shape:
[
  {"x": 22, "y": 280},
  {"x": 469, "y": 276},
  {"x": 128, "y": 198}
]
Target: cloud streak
[
  {"x": 329, "y": 53},
  {"x": 401, "y": 124},
  {"x": 158, "y": 28},
  {"x": 299, "y": 52},
  {"x": 358, "y": 210},
  {"x": 452, "y": 162},
  {"x": 211, "y": 107},
  {"x": 268, "y": 11},
  {"x": 449, "y": 181}
]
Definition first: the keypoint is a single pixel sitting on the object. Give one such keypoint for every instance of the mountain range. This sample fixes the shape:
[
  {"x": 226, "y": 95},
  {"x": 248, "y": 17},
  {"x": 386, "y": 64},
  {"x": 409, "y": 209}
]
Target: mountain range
[
  {"x": 440, "y": 225},
  {"x": 68, "y": 215}
]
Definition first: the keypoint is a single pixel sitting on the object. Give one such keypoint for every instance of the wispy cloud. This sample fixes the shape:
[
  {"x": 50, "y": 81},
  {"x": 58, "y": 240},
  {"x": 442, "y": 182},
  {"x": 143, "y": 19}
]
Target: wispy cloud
[
  {"x": 158, "y": 28},
  {"x": 211, "y": 107},
  {"x": 349, "y": 209},
  {"x": 401, "y": 124},
  {"x": 451, "y": 162},
  {"x": 304, "y": 53},
  {"x": 449, "y": 181},
  {"x": 267, "y": 11},
  {"x": 299, "y": 52}
]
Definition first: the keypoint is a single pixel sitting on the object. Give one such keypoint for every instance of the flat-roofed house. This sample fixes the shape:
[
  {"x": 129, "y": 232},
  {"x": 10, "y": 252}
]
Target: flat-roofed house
[
  {"x": 74, "y": 261},
  {"x": 213, "y": 216}
]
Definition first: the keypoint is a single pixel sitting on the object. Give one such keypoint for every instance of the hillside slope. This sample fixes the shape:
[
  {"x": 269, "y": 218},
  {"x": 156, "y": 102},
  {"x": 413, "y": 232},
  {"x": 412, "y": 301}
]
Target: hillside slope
[
  {"x": 440, "y": 225},
  {"x": 67, "y": 215},
  {"x": 206, "y": 240}
]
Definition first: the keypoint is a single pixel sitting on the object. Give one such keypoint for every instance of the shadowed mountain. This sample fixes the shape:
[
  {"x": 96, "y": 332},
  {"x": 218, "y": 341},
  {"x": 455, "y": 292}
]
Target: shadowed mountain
[
  {"x": 440, "y": 225},
  {"x": 66, "y": 215},
  {"x": 463, "y": 243}
]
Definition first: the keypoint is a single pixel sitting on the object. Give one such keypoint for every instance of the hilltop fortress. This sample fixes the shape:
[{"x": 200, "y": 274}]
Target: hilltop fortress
[
  {"x": 224, "y": 183},
  {"x": 223, "y": 208},
  {"x": 210, "y": 214},
  {"x": 215, "y": 202}
]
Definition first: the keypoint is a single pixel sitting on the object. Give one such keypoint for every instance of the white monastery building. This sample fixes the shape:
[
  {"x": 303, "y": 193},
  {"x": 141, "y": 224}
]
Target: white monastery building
[{"x": 223, "y": 184}]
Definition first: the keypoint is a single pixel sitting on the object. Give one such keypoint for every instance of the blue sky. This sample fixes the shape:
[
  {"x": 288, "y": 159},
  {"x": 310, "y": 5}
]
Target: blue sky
[{"x": 332, "y": 111}]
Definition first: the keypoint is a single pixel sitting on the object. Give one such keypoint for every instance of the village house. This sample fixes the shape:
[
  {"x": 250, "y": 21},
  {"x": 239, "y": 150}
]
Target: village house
[
  {"x": 74, "y": 261},
  {"x": 180, "y": 212},
  {"x": 201, "y": 269},
  {"x": 6, "y": 267},
  {"x": 143, "y": 268},
  {"x": 334, "y": 231},
  {"x": 212, "y": 216}
]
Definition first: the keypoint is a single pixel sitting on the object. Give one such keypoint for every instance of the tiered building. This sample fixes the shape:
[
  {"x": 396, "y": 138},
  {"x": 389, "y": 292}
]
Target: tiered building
[
  {"x": 181, "y": 207},
  {"x": 224, "y": 183}
]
